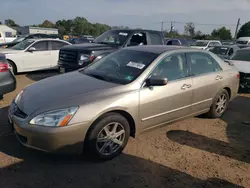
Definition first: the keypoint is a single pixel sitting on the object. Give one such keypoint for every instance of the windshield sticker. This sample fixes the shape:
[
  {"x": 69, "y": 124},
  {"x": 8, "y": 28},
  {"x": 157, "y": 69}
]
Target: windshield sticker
[
  {"x": 136, "y": 65},
  {"x": 123, "y": 34},
  {"x": 224, "y": 48},
  {"x": 129, "y": 77}
]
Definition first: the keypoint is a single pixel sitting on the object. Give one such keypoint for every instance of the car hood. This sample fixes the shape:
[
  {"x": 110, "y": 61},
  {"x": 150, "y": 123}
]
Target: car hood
[
  {"x": 67, "y": 90},
  {"x": 89, "y": 47},
  {"x": 9, "y": 51},
  {"x": 242, "y": 66}
]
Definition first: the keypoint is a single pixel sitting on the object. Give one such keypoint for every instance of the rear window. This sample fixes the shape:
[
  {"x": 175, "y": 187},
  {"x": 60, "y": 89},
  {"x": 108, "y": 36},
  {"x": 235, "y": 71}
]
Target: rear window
[
  {"x": 219, "y": 50},
  {"x": 242, "y": 55},
  {"x": 155, "y": 38}
]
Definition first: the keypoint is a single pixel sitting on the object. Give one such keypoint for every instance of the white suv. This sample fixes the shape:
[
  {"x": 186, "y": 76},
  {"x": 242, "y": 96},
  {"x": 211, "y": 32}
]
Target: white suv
[{"x": 205, "y": 44}]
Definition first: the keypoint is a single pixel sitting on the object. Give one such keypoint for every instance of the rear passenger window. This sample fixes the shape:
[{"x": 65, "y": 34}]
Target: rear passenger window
[
  {"x": 56, "y": 45},
  {"x": 201, "y": 63},
  {"x": 155, "y": 38}
]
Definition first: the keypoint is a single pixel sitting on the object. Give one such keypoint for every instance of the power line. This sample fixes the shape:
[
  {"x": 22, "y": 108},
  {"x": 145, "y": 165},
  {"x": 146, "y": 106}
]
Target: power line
[{"x": 205, "y": 24}]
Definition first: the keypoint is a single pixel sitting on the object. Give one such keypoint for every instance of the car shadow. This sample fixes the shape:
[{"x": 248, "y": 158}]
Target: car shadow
[
  {"x": 28, "y": 168},
  {"x": 237, "y": 133},
  {"x": 39, "y": 75}
]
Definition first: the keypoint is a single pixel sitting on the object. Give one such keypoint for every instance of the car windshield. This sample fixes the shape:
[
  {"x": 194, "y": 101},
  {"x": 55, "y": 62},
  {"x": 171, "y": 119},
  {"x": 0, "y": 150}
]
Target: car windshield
[
  {"x": 121, "y": 67},
  {"x": 242, "y": 55},
  {"x": 201, "y": 43},
  {"x": 19, "y": 39},
  {"x": 116, "y": 37},
  {"x": 23, "y": 45},
  {"x": 219, "y": 50}
]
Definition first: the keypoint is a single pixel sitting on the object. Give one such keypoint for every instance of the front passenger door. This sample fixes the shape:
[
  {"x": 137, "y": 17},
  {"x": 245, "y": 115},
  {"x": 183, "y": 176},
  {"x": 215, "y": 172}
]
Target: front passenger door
[
  {"x": 160, "y": 104},
  {"x": 38, "y": 59}
]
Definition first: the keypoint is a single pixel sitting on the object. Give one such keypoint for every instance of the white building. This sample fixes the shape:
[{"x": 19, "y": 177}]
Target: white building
[
  {"x": 34, "y": 30},
  {"x": 7, "y": 34}
]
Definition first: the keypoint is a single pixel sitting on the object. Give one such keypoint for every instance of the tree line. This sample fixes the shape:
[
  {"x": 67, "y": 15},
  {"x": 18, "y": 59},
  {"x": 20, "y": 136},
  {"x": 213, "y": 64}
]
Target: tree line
[{"x": 81, "y": 26}]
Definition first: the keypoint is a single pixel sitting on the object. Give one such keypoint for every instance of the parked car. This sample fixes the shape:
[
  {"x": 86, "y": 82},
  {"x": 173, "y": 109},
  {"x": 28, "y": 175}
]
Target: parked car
[
  {"x": 7, "y": 79},
  {"x": 241, "y": 60},
  {"x": 243, "y": 41},
  {"x": 123, "y": 94},
  {"x": 205, "y": 44},
  {"x": 78, "y": 56},
  {"x": 230, "y": 42},
  {"x": 25, "y": 37},
  {"x": 224, "y": 51},
  {"x": 34, "y": 54}
]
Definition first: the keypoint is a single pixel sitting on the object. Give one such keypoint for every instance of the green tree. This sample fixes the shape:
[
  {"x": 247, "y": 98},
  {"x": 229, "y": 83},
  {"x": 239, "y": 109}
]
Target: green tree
[
  {"x": 47, "y": 24},
  {"x": 244, "y": 30},
  {"x": 12, "y": 23},
  {"x": 189, "y": 29},
  {"x": 222, "y": 34}
]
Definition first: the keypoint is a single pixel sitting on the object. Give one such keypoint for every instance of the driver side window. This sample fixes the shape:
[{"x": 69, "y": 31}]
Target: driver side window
[
  {"x": 41, "y": 46},
  {"x": 138, "y": 39},
  {"x": 172, "y": 67}
]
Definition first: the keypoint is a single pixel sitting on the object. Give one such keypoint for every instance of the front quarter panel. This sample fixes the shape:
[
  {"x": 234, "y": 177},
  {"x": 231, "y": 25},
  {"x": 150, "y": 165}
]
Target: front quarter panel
[{"x": 127, "y": 102}]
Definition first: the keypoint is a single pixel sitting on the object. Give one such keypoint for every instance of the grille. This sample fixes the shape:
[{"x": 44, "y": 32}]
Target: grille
[
  {"x": 245, "y": 77},
  {"x": 15, "y": 110},
  {"x": 67, "y": 55}
]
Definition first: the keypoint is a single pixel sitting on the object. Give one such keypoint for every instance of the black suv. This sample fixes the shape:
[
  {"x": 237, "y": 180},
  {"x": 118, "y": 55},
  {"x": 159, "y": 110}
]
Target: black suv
[
  {"x": 7, "y": 79},
  {"x": 77, "y": 56}
]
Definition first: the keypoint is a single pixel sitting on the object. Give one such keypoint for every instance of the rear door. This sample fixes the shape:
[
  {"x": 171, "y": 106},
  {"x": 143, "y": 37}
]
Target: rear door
[
  {"x": 54, "y": 47},
  {"x": 207, "y": 78}
]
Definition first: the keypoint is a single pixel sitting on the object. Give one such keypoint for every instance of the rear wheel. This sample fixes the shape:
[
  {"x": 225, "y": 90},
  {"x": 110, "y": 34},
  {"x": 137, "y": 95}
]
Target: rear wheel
[
  {"x": 108, "y": 136},
  {"x": 219, "y": 105},
  {"x": 12, "y": 67}
]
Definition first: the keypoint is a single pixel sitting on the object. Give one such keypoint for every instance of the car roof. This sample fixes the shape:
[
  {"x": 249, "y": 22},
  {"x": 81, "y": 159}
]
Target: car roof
[
  {"x": 158, "y": 49},
  {"x": 227, "y": 46}
]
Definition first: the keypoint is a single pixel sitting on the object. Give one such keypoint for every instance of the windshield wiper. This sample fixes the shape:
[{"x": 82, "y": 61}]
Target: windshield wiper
[{"x": 100, "y": 77}]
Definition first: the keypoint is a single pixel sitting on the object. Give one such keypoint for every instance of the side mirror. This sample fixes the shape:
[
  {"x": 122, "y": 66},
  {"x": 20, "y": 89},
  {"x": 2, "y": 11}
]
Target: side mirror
[
  {"x": 31, "y": 49},
  {"x": 157, "y": 81}
]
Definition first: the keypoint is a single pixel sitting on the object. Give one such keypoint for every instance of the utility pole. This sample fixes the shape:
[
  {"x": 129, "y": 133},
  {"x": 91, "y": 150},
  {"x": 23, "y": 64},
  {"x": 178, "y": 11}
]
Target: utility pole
[
  {"x": 162, "y": 26},
  {"x": 237, "y": 27},
  {"x": 172, "y": 27}
]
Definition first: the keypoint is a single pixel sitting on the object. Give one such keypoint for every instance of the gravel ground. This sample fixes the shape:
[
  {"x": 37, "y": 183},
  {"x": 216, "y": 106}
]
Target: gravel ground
[{"x": 196, "y": 152}]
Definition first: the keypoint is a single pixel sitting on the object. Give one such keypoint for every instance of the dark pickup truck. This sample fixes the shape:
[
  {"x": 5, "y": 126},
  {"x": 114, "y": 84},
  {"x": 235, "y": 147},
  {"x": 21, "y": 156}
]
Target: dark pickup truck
[{"x": 77, "y": 56}]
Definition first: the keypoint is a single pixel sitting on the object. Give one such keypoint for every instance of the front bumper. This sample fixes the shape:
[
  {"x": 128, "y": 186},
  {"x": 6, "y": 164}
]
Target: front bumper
[
  {"x": 70, "y": 66},
  {"x": 68, "y": 139}
]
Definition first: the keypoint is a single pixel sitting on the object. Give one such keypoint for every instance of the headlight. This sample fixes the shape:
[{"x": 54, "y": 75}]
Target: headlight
[
  {"x": 83, "y": 59},
  {"x": 55, "y": 118}
]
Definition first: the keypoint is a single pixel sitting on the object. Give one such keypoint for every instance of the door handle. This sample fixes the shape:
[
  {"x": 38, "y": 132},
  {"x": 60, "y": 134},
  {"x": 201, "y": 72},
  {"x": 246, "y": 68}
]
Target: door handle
[
  {"x": 185, "y": 86},
  {"x": 218, "y": 77}
]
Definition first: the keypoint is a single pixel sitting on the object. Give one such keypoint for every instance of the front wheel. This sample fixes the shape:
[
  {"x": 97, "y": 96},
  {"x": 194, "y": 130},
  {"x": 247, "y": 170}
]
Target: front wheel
[
  {"x": 219, "y": 105},
  {"x": 108, "y": 136}
]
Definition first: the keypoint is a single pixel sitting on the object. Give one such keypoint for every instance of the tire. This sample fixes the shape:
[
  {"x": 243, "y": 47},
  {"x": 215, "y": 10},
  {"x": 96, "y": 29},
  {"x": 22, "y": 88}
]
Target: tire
[
  {"x": 12, "y": 66},
  {"x": 97, "y": 137},
  {"x": 214, "y": 112}
]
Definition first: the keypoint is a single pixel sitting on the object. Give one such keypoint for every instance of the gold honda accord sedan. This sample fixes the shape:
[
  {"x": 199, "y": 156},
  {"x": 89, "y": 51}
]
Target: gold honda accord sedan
[{"x": 97, "y": 109}]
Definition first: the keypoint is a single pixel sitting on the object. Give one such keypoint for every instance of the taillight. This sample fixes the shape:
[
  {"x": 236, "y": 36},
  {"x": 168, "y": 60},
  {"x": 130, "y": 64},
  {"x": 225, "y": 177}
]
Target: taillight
[
  {"x": 4, "y": 67},
  {"x": 238, "y": 75},
  {"x": 91, "y": 57}
]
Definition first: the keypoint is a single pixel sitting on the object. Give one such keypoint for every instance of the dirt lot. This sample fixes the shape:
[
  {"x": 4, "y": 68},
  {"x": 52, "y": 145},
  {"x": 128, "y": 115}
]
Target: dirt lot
[{"x": 196, "y": 152}]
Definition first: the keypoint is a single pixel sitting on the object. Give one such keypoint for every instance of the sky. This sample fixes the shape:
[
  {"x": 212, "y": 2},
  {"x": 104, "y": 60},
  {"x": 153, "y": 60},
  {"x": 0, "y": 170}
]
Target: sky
[{"x": 148, "y": 14}]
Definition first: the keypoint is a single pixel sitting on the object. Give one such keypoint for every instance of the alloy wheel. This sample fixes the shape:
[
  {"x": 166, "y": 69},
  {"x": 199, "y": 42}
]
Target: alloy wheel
[
  {"x": 110, "y": 138},
  {"x": 221, "y": 104}
]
